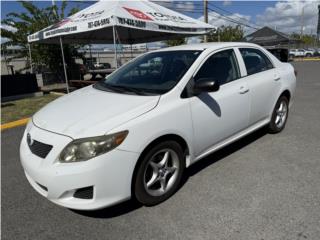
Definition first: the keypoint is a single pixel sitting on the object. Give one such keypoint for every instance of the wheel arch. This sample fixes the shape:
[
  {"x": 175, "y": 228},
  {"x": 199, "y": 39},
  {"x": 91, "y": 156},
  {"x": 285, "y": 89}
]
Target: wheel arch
[
  {"x": 286, "y": 93},
  {"x": 173, "y": 137}
]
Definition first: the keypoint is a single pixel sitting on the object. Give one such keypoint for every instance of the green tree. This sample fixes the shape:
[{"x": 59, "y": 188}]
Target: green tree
[
  {"x": 31, "y": 20},
  {"x": 305, "y": 39},
  {"x": 175, "y": 42},
  {"x": 226, "y": 34}
]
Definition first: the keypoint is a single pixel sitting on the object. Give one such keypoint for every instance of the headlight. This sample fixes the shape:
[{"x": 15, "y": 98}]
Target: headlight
[{"x": 85, "y": 148}]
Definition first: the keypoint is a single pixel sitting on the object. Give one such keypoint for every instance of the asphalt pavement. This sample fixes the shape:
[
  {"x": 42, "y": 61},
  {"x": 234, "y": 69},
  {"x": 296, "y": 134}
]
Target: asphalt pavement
[{"x": 262, "y": 187}]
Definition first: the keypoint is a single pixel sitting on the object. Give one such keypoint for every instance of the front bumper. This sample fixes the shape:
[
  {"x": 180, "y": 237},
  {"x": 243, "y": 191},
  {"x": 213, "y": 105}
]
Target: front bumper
[{"x": 109, "y": 174}]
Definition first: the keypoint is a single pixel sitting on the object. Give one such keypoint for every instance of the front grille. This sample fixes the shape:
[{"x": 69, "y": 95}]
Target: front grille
[
  {"x": 40, "y": 149},
  {"x": 84, "y": 193}
]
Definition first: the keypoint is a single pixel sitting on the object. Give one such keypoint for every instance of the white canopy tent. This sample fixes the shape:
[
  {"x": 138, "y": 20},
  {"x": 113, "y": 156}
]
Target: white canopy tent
[{"x": 126, "y": 22}]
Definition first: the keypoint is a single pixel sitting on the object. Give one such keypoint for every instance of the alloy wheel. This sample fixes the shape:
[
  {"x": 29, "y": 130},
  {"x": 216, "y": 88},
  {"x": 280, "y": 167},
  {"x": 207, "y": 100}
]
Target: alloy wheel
[
  {"x": 281, "y": 114},
  {"x": 161, "y": 172}
]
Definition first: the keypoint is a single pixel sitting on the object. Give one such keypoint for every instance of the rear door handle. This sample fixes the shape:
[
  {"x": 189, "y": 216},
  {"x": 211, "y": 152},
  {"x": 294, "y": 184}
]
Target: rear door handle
[
  {"x": 243, "y": 90},
  {"x": 276, "y": 78}
]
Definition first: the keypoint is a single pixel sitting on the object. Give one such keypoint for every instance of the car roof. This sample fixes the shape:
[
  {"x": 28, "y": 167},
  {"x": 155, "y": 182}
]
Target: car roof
[{"x": 211, "y": 45}]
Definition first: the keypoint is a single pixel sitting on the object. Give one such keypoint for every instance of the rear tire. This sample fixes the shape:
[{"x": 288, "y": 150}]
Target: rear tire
[
  {"x": 279, "y": 115},
  {"x": 159, "y": 173}
]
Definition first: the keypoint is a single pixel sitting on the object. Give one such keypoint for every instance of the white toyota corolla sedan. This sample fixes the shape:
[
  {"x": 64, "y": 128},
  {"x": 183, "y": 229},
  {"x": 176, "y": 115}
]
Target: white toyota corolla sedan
[{"x": 133, "y": 133}]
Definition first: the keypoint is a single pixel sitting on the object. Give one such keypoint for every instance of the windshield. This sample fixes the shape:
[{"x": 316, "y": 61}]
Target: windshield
[{"x": 153, "y": 73}]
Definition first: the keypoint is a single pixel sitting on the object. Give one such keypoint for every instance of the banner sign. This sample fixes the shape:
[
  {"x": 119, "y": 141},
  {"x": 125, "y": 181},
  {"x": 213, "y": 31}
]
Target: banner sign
[{"x": 131, "y": 14}]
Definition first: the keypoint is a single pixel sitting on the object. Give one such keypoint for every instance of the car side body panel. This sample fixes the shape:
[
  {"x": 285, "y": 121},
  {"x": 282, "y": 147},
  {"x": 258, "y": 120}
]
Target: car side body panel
[{"x": 263, "y": 87}]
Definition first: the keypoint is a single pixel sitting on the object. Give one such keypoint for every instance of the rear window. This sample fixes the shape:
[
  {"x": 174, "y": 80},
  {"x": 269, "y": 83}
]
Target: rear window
[{"x": 255, "y": 60}]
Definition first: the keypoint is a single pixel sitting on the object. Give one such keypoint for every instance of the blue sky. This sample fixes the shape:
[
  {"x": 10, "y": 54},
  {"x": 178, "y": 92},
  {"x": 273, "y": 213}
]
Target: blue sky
[
  {"x": 14, "y": 6},
  {"x": 251, "y": 8},
  {"x": 285, "y": 16}
]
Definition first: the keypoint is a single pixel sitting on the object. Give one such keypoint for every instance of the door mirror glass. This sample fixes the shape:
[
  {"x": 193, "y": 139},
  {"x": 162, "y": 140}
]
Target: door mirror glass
[{"x": 205, "y": 85}]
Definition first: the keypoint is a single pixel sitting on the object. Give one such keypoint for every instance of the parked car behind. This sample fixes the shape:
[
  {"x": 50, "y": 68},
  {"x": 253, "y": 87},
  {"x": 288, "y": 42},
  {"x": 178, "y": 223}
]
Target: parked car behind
[
  {"x": 317, "y": 52},
  {"x": 309, "y": 52},
  {"x": 134, "y": 133},
  {"x": 300, "y": 53}
]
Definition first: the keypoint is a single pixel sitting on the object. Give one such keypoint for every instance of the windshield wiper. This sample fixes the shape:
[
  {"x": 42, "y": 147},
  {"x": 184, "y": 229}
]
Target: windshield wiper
[
  {"x": 128, "y": 89},
  {"x": 108, "y": 87},
  {"x": 131, "y": 89},
  {"x": 124, "y": 89},
  {"x": 114, "y": 88}
]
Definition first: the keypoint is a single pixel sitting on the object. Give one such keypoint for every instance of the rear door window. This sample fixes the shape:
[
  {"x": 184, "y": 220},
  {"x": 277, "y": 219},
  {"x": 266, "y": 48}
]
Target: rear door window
[{"x": 255, "y": 60}]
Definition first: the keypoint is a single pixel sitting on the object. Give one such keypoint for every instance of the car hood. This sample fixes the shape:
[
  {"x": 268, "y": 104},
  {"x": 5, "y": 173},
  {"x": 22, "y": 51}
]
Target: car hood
[{"x": 91, "y": 112}]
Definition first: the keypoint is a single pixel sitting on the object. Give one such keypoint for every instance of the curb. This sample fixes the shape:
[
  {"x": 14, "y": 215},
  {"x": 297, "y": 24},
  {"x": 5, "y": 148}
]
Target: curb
[
  {"x": 14, "y": 124},
  {"x": 306, "y": 59},
  {"x": 57, "y": 93}
]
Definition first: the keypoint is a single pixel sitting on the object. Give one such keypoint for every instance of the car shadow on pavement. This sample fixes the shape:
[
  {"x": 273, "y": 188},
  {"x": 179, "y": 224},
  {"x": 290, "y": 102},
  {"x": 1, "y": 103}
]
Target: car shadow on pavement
[{"x": 132, "y": 205}]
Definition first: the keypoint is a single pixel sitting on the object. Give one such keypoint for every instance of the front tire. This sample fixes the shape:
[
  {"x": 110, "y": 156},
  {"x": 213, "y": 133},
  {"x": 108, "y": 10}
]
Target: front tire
[
  {"x": 279, "y": 115},
  {"x": 159, "y": 173}
]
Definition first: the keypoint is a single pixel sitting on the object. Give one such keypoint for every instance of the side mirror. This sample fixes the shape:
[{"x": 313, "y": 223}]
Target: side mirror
[{"x": 205, "y": 85}]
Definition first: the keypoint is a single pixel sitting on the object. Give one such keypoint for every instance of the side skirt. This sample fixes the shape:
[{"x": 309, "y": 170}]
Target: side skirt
[{"x": 231, "y": 139}]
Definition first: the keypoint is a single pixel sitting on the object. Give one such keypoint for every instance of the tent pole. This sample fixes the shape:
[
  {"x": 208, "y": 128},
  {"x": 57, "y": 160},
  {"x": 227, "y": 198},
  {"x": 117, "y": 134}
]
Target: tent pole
[
  {"x": 31, "y": 68},
  {"x": 5, "y": 58},
  {"x": 64, "y": 65},
  {"x": 115, "y": 47},
  {"x": 62, "y": 53},
  {"x": 91, "y": 59}
]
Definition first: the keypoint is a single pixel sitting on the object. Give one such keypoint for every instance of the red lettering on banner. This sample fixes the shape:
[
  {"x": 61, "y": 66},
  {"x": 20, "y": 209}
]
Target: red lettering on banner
[{"x": 138, "y": 14}]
